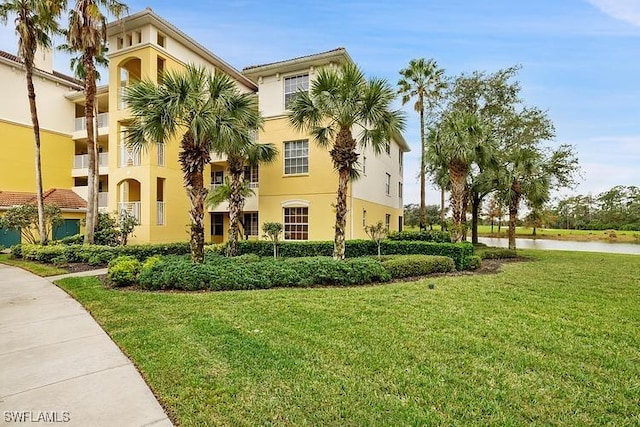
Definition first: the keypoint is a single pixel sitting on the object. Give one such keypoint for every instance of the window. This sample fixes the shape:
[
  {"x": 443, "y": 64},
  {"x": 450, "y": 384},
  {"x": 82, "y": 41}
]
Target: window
[
  {"x": 296, "y": 157},
  {"x": 217, "y": 224},
  {"x": 160, "y": 40},
  {"x": 250, "y": 224},
  {"x": 292, "y": 85},
  {"x": 160, "y": 63},
  {"x": 364, "y": 218},
  {"x": 364, "y": 165},
  {"x": 387, "y": 221},
  {"x": 400, "y": 161},
  {"x": 387, "y": 184},
  {"x": 388, "y": 148},
  {"x": 251, "y": 176},
  {"x": 400, "y": 191},
  {"x": 296, "y": 223},
  {"x": 217, "y": 179}
]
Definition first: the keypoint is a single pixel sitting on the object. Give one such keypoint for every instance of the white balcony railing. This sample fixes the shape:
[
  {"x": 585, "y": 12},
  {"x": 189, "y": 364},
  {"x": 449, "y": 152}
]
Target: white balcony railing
[
  {"x": 103, "y": 199},
  {"x": 121, "y": 104},
  {"x": 128, "y": 157},
  {"x": 132, "y": 208},
  {"x": 160, "y": 213},
  {"x": 81, "y": 161},
  {"x": 80, "y": 123}
]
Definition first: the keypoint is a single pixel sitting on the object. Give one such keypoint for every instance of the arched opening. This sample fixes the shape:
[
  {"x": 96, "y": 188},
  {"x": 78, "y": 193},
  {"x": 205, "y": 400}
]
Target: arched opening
[
  {"x": 129, "y": 72},
  {"x": 129, "y": 197}
]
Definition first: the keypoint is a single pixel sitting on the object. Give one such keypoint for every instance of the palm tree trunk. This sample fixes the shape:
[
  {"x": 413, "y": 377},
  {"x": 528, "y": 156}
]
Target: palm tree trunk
[
  {"x": 442, "y": 208},
  {"x": 514, "y": 203},
  {"x": 344, "y": 156},
  {"x": 90, "y": 95},
  {"x": 341, "y": 215},
  {"x": 457, "y": 174},
  {"x": 475, "y": 213},
  {"x": 36, "y": 139},
  {"x": 236, "y": 204},
  {"x": 96, "y": 181},
  {"x": 192, "y": 160},
  {"x": 423, "y": 195}
]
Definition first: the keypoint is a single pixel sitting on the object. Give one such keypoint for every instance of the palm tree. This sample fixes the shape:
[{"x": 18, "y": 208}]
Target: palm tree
[
  {"x": 35, "y": 23},
  {"x": 236, "y": 190},
  {"x": 458, "y": 143},
  {"x": 87, "y": 34},
  {"x": 208, "y": 113},
  {"x": 339, "y": 102},
  {"x": 422, "y": 80}
]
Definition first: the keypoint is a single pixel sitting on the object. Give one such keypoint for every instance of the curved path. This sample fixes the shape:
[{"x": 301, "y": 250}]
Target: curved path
[{"x": 58, "y": 366}]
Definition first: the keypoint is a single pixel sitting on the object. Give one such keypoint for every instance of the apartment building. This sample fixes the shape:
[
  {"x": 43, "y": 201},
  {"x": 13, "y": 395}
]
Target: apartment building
[{"x": 298, "y": 189}]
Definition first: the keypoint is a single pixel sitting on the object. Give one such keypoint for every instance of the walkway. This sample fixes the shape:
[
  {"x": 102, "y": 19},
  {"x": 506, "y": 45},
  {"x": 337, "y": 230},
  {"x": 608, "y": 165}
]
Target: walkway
[{"x": 57, "y": 364}]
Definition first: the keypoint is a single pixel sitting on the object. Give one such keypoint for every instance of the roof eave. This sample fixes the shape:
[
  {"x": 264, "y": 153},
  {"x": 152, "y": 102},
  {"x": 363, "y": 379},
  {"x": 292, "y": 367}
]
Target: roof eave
[{"x": 339, "y": 55}]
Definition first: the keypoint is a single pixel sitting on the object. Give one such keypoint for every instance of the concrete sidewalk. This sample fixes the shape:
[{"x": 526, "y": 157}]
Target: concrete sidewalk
[{"x": 58, "y": 366}]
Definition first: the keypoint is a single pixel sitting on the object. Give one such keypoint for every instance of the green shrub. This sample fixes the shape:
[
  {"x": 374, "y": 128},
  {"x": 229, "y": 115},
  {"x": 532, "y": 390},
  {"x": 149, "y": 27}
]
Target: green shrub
[
  {"x": 497, "y": 253},
  {"x": 418, "y": 265},
  {"x": 359, "y": 248},
  {"x": 221, "y": 273},
  {"x": 426, "y": 236},
  {"x": 124, "y": 270},
  {"x": 473, "y": 262},
  {"x": 76, "y": 239},
  {"x": 60, "y": 261},
  {"x": 16, "y": 251}
]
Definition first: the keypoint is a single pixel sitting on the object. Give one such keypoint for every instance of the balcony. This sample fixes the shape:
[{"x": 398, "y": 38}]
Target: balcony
[
  {"x": 250, "y": 202},
  {"x": 80, "y": 126},
  {"x": 81, "y": 164},
  {"x": 103, "y": 196},
  {"x": 132, "y": 208},
  {"x": 128, "y": 157}
]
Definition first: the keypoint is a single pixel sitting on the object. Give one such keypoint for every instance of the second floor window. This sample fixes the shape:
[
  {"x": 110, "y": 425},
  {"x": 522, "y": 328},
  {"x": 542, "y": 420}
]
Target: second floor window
[
  {"x": 292, "y": 85},
  {"x": 296, "y": 157},
  {"x": 387, "y": 184},
  {"x": 251, "y": 176}
]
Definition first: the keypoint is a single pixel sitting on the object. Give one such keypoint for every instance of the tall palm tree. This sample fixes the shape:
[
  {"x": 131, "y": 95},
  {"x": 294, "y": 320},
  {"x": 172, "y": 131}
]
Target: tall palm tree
[
  {"x": 87, "y": 34},
  {"x": 339, "y": 102},
  {"x": 35, "y": 23},
  {"x": 208, "y": 113},
  {"x": 458, "y": 142},
  {"x": 240, "y": 155},
  {"x": 422, "y": 80}
]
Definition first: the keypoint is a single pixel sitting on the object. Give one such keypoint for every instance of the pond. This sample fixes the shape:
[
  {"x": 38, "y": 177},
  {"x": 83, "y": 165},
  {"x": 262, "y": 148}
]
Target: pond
[{"x": 564, "y": 245}]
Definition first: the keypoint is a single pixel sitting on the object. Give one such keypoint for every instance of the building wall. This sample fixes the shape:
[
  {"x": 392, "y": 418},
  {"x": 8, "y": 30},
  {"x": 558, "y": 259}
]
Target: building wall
[{"x": 17, "y": 158}]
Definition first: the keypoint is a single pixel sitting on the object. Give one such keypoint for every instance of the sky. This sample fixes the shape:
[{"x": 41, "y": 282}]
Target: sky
[{"x": 580, "y": 58}]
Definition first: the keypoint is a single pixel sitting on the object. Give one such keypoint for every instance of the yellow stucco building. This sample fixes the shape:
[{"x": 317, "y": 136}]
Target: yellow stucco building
[{"x": 298, "y": 189}]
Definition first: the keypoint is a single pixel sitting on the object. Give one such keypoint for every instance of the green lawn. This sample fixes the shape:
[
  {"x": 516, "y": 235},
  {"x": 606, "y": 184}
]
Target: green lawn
[
  {"x": 562, "y": 234},
  {"x": 555, "y": 340},
  {"x": 42, "y": 270}
]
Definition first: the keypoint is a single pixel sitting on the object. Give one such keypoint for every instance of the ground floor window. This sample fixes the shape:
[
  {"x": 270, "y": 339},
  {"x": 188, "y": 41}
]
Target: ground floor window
[
  {"x": 250, "y": 224},
  {"x": 217, "y": 224},
  {"x": 296, "y": 223},
  {"x": 387, "y": 221}
]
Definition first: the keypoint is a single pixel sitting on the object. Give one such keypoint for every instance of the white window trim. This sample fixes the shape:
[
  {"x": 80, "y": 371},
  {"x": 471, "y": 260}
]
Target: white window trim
[
  {"x": 284, "y": 159},
  {"x": 291, "y": 76},
  {"x": 295, "y": 204}
]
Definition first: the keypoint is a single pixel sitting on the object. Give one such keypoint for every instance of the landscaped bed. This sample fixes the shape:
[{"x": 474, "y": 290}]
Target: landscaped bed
[{"x": 552, "y": 341}]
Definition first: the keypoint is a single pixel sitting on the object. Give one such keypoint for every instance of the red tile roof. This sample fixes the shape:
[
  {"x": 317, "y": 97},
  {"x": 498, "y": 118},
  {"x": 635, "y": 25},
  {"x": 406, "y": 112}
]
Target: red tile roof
[
  {"x": 18, "y": 60},
  {"x": 60, "y": 197}
]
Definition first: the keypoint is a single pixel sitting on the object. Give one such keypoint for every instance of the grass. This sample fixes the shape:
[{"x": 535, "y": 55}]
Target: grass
[
  {"x": 42, "y": 270},
  {"x": 552, "y": 341},
  {"x": 562, "y": 234}
]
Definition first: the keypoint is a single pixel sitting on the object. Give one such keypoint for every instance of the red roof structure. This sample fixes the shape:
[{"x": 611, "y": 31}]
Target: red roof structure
[{"x": 60, "y": 197}]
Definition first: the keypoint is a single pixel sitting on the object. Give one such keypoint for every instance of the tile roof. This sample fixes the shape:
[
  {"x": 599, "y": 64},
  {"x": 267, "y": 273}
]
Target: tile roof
[
  {"x": 18, "y": 60},
  {"x": 336, "y": 50},
  {"x": 60, "y": 197}
]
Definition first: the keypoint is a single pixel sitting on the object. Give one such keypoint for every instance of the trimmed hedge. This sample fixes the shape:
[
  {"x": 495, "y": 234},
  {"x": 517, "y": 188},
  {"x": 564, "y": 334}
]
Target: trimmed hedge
[
  {"x": 219, "y": 273},
  {"x": 497, "y": 253},
  {"x": 124, "y": 270},
  {"x": 425, "y": 236},
  {"x": 418, "y": 265},
  {"x": 359, "y": 248},
  {"x": 473, "y": 262},
  {"x": 96, "y": 254}
]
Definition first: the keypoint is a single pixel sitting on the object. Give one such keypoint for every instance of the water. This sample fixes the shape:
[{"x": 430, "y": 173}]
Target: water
[{"x": 563, "y": 245}]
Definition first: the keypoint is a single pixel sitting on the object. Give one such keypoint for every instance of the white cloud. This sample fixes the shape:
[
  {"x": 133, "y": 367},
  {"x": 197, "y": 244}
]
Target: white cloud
[{"x": 624, "y": 10}]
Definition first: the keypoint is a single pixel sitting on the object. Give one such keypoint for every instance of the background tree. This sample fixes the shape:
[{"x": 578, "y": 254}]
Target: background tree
[
  {"x": 206, "y": 112},
  {"x": 24, "y": 219},
  {"x": 339, "y": 102},
  {"x": 36, "y": 21},
  {"x": 87, "y": 34},
  {"x": 411, "y": 215},
  {"x": 423, "y": 81}
]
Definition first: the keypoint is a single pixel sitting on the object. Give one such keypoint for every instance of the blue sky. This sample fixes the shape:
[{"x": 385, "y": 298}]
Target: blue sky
[{"x": 580, "y": 58}]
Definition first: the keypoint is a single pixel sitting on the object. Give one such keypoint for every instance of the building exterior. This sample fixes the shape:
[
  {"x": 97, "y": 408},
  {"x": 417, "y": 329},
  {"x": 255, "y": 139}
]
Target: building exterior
[{"x": 298, "y": 189}]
